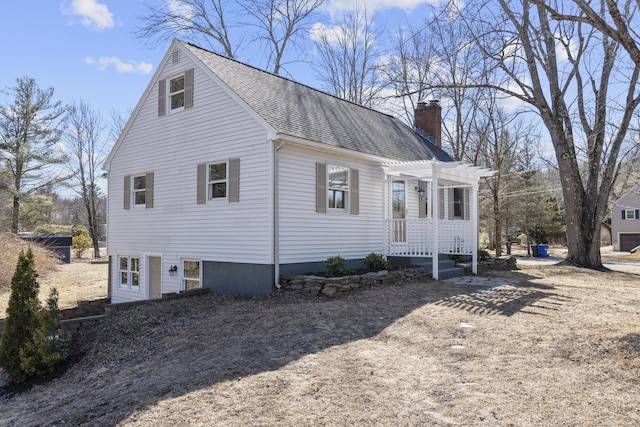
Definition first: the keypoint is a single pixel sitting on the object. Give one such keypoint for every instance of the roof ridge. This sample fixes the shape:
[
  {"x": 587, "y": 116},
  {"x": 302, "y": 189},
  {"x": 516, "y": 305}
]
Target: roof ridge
[{"x": 288, "y": 79}]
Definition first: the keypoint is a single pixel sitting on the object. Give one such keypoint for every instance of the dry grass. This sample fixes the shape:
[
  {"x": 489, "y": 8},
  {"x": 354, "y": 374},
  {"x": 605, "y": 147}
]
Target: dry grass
[
  {"x": 559, "y": 346},
  {"x": 75, "y": 282},
  {"x": 10, "y": 247}
]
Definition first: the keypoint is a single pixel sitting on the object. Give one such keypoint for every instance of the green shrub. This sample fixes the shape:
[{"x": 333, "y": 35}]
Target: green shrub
[
  {"x": 80, "y": 244},
  {"x": 29, "y": 345},
  {"x": 375, "y": 261},
  {"x": 78, "y": 230},
  {"x": 483, "y": 255},
  {"x": 336, "y": 265},
  {"x": 45, "y": 349},
  {"x": 22, "y": 315}
]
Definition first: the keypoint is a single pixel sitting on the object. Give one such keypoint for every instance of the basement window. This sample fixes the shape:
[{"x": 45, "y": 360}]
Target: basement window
[
  {"x": 129, "y": 269},
  {"x": 191, "y": 274}
]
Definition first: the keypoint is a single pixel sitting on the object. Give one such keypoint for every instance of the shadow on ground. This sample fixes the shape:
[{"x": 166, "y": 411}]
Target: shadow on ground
[{"x": 157, "y": 351}]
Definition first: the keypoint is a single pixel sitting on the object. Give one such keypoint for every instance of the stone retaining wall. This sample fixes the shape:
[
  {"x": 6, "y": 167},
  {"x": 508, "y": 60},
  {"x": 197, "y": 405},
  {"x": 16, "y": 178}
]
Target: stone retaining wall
[
  {"x": 333, "y": 286},
  {"x": 83, "y": 309}
]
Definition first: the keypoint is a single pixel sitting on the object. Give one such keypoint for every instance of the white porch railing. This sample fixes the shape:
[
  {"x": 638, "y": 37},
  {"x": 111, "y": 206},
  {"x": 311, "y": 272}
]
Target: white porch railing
[{"x": 414, "y": 237}]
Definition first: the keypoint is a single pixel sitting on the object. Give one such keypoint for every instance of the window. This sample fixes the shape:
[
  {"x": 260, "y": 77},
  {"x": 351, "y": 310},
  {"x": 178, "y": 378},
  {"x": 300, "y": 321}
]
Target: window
[
  {"x": 631, "y": 214},
  {"x": 217, "y": 180},
  {"x": 129, "y": 272},
  {"x": 176, "y": 93},
  {"x": 338, "y": 188},
  {"x": 424, "y": 199},
  {"x": 191, "y": 274},
  {"x": 139, "y": 190},
  {"x": 458, "y": 202}
]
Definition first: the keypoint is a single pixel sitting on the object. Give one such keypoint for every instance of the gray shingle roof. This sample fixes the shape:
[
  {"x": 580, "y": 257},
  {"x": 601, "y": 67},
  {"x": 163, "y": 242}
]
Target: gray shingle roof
[{"x": 300, "y": 111}]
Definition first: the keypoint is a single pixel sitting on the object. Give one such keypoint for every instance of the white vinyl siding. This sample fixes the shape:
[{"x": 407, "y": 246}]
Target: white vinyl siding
[
  {"x": 332, "y": 232},
  {"x": 172, "y": 146}
]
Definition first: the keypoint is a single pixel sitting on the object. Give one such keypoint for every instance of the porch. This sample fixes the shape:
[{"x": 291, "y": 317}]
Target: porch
[{"x": 431, "y": 211}]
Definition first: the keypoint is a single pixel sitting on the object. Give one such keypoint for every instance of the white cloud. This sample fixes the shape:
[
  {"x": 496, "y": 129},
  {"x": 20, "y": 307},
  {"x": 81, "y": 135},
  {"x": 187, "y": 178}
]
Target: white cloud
[
  {"x": 121, "y": 66},
  {"x": 332, "y": 34},
  {"x": 92, "y": 14},
  {"x": 372, "y": 6}
]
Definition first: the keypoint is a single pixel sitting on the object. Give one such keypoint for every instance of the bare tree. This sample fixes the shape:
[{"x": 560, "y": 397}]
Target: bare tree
[
  {"x": 223, "y": 25},
  {"x": 349, "y": 59},
  {"x": 565, "y": 70},
  {"x": 85, "y": 150},
  {"x": 497, "y": 139},
  {"x": 280, "y": 24},
  {"x": 440, "y": 60},
  {"x": 30, "y": 128},
  {"x": 209, "y": 21},
  {"x": 409, "y": 72},
  {"x": 616, "y": 19}
]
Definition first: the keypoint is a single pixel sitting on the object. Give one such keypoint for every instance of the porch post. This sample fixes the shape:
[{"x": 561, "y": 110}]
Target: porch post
[
  {"x": 475, "y": 220},
  {"x": 435, "y": 214},
  {"x": 385, "y": 214}
]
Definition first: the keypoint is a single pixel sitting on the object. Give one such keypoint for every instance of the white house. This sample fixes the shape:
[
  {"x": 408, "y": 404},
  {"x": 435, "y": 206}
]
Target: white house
[
  {"x": 226, "y": 177},
  {"x": 625, "y": 221}
]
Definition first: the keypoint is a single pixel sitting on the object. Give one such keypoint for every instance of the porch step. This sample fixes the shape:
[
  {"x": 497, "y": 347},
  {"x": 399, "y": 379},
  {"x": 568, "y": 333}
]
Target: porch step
[
  {"x": 448, "y": 273},
  {"x": 446, "y": 267}
]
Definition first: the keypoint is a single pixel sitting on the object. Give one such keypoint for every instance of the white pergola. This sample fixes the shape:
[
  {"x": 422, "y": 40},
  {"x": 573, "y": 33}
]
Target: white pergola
[{"x": 443, "y": 175}]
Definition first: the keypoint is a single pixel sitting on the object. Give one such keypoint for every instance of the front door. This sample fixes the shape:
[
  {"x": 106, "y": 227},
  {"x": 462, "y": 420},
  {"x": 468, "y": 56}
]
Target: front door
[
  {"x": 399, "y": 211},
  {"x": 155, "y": 277}
]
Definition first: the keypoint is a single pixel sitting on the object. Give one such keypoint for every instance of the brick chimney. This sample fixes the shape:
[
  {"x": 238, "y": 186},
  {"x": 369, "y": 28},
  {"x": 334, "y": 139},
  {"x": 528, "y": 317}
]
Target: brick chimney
[{"x": 428, "y": 119}]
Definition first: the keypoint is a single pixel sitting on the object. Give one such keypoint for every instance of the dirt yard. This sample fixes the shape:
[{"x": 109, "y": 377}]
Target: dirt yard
[
  {"x": 77, "y": 281},
  {"x": 553, "y": 346}
]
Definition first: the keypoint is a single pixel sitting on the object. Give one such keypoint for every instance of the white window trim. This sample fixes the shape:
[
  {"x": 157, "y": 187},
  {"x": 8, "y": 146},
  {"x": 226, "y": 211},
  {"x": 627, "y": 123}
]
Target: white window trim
[
  {"x": 170, "y": 94},
  {"x": 631, "y": 217},
  {"x": 218, "y": 181},
  {"x": 347, "y": 192},
  {"x": 183, "y": 278},
  {"x": 129, "y": 285},
  {"x": 135, "y": 205}
]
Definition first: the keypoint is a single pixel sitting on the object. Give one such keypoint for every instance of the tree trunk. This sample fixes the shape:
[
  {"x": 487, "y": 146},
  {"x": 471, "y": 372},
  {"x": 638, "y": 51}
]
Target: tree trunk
[
  {"x": 583, "y": 232},
  {"x": 15, "y": 215},
  {"x": 497, "y": 224}
]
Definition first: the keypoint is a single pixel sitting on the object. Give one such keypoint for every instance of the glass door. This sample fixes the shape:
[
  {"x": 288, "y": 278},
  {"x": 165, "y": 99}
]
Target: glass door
[{"x": 398, "y": 207}]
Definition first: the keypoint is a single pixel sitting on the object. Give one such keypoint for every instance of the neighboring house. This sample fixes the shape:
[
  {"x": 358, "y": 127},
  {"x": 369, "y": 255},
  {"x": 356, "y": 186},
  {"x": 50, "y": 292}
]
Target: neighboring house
[
  {"x": 226, "y": 177},
  {"x": 625, "y": 221}
]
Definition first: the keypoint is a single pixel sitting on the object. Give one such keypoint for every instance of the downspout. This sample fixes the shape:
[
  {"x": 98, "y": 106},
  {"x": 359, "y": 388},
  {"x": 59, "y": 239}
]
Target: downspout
[{"x": 276, "y": 219}]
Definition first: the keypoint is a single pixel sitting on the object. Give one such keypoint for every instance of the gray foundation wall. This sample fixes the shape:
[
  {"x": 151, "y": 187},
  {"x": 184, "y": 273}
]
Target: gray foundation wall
[
  {"x": 314, "y": 267},
  {"x": 229, "y": 278}
]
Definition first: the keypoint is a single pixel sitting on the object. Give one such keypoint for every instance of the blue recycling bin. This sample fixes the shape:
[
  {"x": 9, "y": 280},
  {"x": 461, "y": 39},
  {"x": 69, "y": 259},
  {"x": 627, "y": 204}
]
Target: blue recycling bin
[{"x": 543, "y": 250}]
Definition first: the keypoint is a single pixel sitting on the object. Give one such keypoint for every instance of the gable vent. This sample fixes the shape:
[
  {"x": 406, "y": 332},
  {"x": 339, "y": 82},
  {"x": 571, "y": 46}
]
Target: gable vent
[{"x": 175, "y": 56}]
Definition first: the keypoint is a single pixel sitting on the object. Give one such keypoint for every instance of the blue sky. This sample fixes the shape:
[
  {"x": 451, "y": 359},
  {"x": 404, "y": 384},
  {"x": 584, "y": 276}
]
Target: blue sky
[{"x": 87, "y": 51}]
